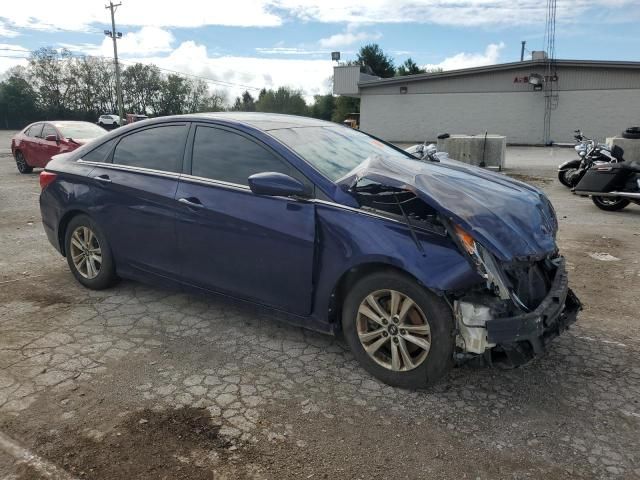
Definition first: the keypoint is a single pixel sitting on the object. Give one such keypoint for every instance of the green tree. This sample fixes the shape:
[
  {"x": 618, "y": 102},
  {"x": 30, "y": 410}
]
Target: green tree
[
  {"x": 142, "y": 85},
  {"x": 345, "y": 106},
  {"x": 323, "y": 106},
  {"x": 172, "y": 100},
  {"x": 245, "y": 103},
  {"x": 282, "y": 100},
  {"x": 409, "y": 67},
  {"x": 18, "y": 102},
  {"x": 49, "y": 75},
  {"x": 372, "y": 56}
]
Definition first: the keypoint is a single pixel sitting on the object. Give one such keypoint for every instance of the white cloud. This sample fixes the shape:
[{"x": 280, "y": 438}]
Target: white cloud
[
  {"x": 192, "y": 58},
  {"x": 12, "y": 56},
  {"x": 350, "y": 36},
  {"x": 6, "y": 31},
  {"x": 269, "y": 13},
  {"x": 490, "y": 56},
  {"x": 78, "y": 15},
  {"x": 146, "y": 41},
  {"x": 290, "y": 51}
]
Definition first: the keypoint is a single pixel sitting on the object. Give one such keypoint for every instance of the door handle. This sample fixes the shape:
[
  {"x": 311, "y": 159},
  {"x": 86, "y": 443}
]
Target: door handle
[
  {"x": 103, "y": 178},
  {"x": 191, "y": 202}
]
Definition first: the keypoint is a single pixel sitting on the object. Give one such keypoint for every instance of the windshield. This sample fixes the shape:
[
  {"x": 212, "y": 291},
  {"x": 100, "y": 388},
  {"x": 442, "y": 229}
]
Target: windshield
[
  {"x": 80, "y": 130},
  {"x": 334, "y": 151}
]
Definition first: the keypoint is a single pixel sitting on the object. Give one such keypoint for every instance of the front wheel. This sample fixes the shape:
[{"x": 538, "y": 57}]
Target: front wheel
[
  {"x": 568, "y": 178},
  {"x": 21, "y": 163},
  {"x": 399, "y": 332},
  {"x": 88, "y": 254},
  {"x": 610, "y": 204}
]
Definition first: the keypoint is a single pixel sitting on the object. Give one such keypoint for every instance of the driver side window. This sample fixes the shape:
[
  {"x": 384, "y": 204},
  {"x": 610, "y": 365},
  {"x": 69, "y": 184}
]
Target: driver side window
[{"x": 226, "y": 156}]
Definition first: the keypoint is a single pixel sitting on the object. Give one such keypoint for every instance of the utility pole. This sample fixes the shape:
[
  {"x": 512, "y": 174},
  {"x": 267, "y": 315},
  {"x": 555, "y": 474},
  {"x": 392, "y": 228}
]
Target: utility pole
[
  {"x": 522, "y": 50},
  {"x": 114, "y": 36}
]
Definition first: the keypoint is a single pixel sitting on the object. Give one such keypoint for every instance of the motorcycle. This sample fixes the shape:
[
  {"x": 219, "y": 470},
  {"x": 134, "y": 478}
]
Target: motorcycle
[
  {"x": 591, "y": 153},
  {"x": 611, "y": 186},
  {"x": 430, "y": 152}
]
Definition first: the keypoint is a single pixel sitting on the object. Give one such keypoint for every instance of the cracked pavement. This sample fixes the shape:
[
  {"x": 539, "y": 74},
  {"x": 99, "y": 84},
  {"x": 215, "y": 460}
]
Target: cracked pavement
[{"x": 290, "y": 403}]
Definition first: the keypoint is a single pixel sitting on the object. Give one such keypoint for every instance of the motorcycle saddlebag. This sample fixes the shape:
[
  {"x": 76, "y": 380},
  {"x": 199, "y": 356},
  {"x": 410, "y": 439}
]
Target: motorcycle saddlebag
[{"x": 603, "y": 178}]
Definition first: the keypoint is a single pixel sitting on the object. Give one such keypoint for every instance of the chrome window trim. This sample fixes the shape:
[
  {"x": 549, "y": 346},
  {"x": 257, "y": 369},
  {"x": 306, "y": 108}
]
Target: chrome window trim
[
  {"x": 129, "y": 168},
  {"x": 212, "y": 182}
]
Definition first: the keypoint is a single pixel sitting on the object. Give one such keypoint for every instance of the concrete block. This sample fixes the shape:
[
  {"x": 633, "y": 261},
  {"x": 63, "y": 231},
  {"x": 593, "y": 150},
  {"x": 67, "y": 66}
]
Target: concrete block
[
  {"x": 473, "y": 149},
  {"x": 631, "y": 147}
]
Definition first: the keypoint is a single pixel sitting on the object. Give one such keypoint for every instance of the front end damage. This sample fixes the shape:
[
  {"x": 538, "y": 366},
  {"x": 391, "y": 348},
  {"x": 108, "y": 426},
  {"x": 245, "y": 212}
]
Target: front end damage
[
  {"x": 516, "y": 313},
  {"x": 522, "y": 299}
]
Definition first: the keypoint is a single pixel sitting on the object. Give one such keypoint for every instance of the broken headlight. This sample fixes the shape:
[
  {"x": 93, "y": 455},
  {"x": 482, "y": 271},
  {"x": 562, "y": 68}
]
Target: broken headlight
[{"x": 484, "y": 262}]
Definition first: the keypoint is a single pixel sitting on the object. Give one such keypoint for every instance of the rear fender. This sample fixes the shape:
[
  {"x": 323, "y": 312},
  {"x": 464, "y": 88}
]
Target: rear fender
[{"x": 570, "y": 165}]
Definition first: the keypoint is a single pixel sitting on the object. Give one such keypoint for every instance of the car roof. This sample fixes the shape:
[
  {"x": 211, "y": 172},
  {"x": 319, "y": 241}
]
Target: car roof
[{"x": 265, "y": 121}]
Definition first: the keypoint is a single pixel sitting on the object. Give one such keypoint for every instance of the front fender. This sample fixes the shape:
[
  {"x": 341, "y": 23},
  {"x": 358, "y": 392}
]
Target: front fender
[
  {"x": 348, "y": 239},
  {"x": 570, "y": 165}
]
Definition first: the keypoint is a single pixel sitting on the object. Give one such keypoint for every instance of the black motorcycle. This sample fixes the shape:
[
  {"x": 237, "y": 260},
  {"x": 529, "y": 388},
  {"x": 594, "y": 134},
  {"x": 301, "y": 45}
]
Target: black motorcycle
[
  {"x": 591, "y": 153},
  {"x": 611, "y": 186}
]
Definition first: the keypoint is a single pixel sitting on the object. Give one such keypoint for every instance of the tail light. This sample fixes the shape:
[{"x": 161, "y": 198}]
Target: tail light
[{"x": 46, "y": 178}]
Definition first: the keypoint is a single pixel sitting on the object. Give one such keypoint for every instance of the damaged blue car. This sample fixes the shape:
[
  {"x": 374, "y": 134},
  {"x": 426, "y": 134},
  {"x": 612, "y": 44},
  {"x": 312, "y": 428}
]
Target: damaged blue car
[{"x": 418, "y": 264}]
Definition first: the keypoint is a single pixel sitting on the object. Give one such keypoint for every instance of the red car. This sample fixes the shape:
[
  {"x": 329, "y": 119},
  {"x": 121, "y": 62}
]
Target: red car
[{"x": 36, "y": 144}]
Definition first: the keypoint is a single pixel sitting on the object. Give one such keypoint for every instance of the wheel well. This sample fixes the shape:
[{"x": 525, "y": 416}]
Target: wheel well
[
  {"x": 62, "y": 227},
  {"x": 350, "y": 277}
]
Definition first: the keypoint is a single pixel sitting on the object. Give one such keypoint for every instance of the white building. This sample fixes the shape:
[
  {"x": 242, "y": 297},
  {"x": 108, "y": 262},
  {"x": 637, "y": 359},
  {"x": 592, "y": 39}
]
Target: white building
[{"x": 601, "y": 98}]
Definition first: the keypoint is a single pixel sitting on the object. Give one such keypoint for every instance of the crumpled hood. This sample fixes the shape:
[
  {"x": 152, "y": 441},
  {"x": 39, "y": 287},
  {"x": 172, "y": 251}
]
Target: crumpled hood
[{"x": 510, "y": 218}]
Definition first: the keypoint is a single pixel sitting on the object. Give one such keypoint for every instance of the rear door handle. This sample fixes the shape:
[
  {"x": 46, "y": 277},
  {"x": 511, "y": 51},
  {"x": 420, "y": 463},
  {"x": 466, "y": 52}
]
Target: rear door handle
[
  {"x": 103, "y": 178},
  {"x": 191, "y": 202}
]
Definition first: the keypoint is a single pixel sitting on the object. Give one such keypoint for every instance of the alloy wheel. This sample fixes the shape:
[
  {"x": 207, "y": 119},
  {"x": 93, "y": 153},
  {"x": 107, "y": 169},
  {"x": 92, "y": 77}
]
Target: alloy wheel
[
  {"x": 21, "y": 162},
  {"x": 85, "y": 252},
  {"x": 393, "y": 330}
]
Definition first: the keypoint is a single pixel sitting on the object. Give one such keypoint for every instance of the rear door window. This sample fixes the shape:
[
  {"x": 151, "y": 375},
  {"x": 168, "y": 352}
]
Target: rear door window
[
  {"x": 34, "y": 130},
  {"x": 157, "y": 148},
  {"x": 230, "y": 157}
]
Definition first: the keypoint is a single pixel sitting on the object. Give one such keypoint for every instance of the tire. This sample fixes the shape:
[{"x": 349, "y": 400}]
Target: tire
[
  {"x": 631, "y": 132},
  {"x": 21, "y": 163},
  {"x": 100, "y": 124},
  {"x": 428, "y": 309},
  {"x": 610, "y": 204},
  {"x": 93, "y": 274},
  {"x": 563, "y": 176}
]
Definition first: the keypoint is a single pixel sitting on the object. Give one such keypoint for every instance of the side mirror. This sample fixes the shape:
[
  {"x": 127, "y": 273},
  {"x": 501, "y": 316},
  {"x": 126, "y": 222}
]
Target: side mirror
[
  {"x": 275, "y": 184},
  {"x": 52, "y": 138}
]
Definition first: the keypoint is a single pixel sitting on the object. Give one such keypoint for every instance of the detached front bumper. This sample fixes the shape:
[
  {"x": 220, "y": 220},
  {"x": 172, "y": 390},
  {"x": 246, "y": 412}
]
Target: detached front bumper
[{"x": 520, "y": 338}]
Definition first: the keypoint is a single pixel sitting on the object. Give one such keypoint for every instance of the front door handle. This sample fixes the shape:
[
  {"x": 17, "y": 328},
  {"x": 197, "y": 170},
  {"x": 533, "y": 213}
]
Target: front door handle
[
  {"x": 191, "y": 202},
  {"x": 103, "y": 178}
]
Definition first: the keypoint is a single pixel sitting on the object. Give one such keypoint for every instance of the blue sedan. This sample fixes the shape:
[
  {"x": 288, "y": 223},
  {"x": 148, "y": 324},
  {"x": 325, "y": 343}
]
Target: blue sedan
[{"x": 420, "y": 265}]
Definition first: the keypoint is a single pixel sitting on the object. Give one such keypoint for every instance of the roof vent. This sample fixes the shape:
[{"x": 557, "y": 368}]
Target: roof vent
[{"x": 538, "y": 55}]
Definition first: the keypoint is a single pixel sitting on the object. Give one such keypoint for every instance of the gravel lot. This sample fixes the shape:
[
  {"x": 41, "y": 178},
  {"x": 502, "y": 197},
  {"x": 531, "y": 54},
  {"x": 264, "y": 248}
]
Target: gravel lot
[{"x": 138, "y": 382}]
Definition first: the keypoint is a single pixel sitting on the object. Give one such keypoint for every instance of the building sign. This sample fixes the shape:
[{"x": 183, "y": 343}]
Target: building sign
[{"x": 525, "y": 79}]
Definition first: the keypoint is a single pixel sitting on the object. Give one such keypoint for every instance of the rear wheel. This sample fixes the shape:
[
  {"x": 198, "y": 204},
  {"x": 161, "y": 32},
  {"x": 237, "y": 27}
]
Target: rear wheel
[
  {"x": 88, "y": 254},
  {"x": 399, "y": 332},
  {"x": 610, "y": 204},
  {"x": 21, "y": 163}
]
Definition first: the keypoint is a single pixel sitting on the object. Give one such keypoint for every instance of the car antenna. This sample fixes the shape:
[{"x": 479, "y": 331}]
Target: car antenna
[{"x": 411, "y": 228}]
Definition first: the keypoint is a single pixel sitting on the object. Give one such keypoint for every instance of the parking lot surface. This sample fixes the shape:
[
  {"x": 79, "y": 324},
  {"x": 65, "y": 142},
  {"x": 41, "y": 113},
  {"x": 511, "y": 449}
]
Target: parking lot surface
[{"x": 139, "y": 382}]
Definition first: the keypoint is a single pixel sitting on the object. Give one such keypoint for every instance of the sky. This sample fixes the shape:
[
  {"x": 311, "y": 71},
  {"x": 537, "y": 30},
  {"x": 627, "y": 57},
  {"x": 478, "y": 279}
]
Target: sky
[{"x": 252, "y": 44}]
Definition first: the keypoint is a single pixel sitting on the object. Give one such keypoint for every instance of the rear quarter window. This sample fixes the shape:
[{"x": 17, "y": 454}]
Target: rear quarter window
[{"x": 101, "y": 153}]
